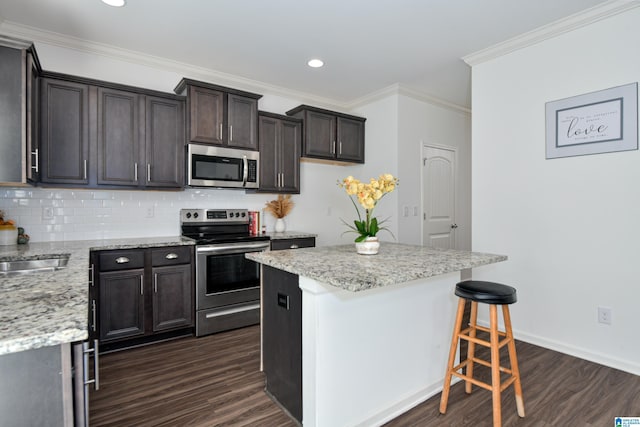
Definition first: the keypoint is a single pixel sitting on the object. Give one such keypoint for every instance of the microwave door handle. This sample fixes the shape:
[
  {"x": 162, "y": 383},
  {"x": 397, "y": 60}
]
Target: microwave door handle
[{"x": 245, "y": 172}]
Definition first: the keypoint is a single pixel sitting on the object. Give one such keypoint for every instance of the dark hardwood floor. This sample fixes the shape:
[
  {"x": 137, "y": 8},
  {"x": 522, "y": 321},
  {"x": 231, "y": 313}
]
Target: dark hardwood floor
[{"x": 215, "y": 381}]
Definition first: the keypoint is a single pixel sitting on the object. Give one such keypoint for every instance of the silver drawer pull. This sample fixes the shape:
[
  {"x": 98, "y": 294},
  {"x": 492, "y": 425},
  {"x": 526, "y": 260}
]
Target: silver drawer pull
[
  {"x": 171, "y": 256},
  {"x": 293, "y": 247},
  {"x": 122, "y": 260}
]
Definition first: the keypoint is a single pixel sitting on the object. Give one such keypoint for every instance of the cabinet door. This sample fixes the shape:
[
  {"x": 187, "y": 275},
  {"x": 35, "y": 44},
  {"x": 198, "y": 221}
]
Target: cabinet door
[
  {"x": 206, "y": 115},
  {"x": 243, "y": 122},
  {"x": 64, "y": 132},
  {"x": 320, "y": 133},
  {"x": 118, "y": 138},
  {"x": 172, "y": 297},
  {"x": 33, "y": 149},
  {"x": 164, "y": 142},
  {"x": 350, "y": 140},
  {"x": 290, "y": 145},
  {"x": 269, "y": 159},
  {"x": 11, "y": 115},
  {"x": 121, "y": 304}
]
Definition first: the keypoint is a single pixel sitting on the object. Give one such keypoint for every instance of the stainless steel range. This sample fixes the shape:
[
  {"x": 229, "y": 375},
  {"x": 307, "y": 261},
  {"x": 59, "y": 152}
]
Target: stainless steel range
[{"x": 227, "y": 284}]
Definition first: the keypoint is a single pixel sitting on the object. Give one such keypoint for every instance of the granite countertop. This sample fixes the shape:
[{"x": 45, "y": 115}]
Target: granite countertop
[
  {"x": 341, "y": 267},
  {"x": 50, "y": 308},
  {"x": 289, "y": 235}
]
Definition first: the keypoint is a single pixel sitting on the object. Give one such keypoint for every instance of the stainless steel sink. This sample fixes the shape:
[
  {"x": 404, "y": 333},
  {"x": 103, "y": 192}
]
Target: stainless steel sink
[{"x": 54, "y": 262}]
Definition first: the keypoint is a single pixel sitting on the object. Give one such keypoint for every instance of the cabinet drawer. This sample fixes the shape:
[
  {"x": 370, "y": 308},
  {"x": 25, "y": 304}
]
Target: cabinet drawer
[
  {"x": 304, "y": 242},
  {"x": 121, "y": 260},
  {"x": 171, "y": 256}
]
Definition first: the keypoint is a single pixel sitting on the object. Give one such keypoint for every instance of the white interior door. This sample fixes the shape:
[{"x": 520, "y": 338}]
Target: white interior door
[{"x": 438, "y": 204}]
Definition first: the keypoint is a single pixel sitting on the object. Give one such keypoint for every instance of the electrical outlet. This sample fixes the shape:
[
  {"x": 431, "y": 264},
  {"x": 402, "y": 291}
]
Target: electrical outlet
[
  {"x": 405, "y": 211},
  {"x": 150, "y": 212},
  {"x": 47, "y": 212},
  {"x": 604, "y": 315}
]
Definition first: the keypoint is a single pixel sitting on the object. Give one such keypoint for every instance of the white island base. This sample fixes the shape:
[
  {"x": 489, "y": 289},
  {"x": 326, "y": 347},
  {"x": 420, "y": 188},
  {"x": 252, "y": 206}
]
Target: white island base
[{"x": 370, "y": 356}]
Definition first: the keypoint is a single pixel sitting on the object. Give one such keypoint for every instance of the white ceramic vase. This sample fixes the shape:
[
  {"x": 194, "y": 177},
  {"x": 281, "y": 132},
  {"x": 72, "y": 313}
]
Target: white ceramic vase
[
  {"x": 279, "y": 226},
  {"x": 368, "y": 246}
]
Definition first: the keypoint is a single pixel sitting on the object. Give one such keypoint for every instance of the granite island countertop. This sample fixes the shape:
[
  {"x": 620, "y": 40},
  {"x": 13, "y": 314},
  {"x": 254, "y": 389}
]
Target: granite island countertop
[
  {"x": 50, "y": 308},
  {"x": 341, "y": 267}
]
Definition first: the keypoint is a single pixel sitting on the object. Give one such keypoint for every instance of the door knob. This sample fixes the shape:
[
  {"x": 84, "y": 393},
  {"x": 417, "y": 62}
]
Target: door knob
[{"x": 454, "y": 226}]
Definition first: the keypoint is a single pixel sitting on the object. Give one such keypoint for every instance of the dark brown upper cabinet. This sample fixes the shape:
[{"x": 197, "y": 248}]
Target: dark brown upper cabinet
[
  {"x": 19, "y": 69},
  {"x": 220, "y": 115},
  {"x": 118, "y": 137},
  {"x": 329, "y": 135},
  {"x": 280, "y": 145},
  {"x": 64, "y": 132},
  {"x": 100, "y": 134}
]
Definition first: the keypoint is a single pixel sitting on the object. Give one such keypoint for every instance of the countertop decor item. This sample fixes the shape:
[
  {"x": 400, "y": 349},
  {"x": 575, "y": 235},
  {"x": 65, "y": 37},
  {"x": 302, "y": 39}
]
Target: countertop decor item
[
  {"x": 8, "y": 231},
  {"x": 368, "y": 196},
  {"x": 280, "y": 208}
]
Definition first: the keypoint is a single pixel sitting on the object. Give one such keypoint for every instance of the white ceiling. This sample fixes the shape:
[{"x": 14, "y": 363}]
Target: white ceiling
[{"x": 367, "y": 45}]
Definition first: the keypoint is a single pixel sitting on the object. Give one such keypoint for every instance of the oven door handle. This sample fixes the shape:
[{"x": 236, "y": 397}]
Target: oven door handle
[{"x": 222, "y": 248}]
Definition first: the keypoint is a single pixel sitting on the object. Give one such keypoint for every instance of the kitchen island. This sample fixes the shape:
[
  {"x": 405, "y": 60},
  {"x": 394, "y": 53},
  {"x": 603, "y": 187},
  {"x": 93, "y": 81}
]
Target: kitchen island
[{"x": 375, "y": 329}]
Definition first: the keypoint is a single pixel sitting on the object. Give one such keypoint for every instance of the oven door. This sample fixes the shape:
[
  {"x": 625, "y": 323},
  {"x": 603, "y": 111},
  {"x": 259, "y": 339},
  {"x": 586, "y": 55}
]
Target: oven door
[{"x": 224, "y": 276}]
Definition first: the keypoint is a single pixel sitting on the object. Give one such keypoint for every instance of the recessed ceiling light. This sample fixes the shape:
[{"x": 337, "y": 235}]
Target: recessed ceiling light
[
  {"x": 315, "y": 63},
  {"x": 115, "y": 3}
]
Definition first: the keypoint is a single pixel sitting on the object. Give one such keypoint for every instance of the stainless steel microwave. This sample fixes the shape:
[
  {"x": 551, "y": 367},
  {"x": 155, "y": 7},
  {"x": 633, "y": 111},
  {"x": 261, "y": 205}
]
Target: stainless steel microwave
[{"x": 210, "y": 166}]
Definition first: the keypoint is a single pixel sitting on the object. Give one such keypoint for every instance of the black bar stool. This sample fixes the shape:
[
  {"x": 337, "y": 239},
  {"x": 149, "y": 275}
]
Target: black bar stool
[{"x": 493, "y": 294}]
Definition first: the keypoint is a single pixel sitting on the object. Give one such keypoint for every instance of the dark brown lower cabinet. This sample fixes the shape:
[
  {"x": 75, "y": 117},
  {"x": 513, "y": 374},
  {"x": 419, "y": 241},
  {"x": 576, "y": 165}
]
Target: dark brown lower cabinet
[
  {"x": 141, "y": 295},
  {"x": 121, "y": 304},
  {"x": 282, "y": 338},
  {"x": 282, "y": 331},
  {"x": 172, "y": 306}
]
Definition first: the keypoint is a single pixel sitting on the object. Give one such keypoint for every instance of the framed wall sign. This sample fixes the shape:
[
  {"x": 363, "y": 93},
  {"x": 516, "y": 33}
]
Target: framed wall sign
[{"x": 596, "y": 122}]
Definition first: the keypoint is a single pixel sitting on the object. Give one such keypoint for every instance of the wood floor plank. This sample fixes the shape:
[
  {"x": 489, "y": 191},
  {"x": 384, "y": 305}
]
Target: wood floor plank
[{"x": 215, "y": 381}]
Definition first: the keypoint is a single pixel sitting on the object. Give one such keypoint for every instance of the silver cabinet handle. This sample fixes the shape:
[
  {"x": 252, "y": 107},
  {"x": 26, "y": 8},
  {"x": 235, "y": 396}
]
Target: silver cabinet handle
[
  {"x": 155, "y": 283},
  {"x": 135, "y": 171},
  {"x": 85, "y": 168},
  {"x": 220, "y": 130},
  {"x": 294, "y": 246},
  {"x": 96, "y": 364},
  {"x": 91, "y": 275},
  {"x": 35, "y": 168},
  {"x": 230, "y": 133},
  {"x": 141, "y": 285},
  {"x": 171, "y": 256},
  {"x": 94, "y": 315},
  {"x": 333, "y": 147},
  {"x": 340, "y": 148},
  {"x": 148, "y": 172},
  {"x": 122, "y": 260}
]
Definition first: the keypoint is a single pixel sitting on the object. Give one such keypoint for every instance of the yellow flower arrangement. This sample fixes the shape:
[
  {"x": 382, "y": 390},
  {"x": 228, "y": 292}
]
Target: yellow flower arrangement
[{"x": 368, "y": 196}]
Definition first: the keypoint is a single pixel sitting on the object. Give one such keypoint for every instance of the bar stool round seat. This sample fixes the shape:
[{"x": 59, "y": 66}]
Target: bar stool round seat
[
  {"x": 486, "y": 292},
  {"x": 494, "y": 295}
]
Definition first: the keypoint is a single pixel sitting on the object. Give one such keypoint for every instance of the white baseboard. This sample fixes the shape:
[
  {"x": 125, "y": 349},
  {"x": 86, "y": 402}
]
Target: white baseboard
[
  {"x": 404, "y": 405},
  {"x": 633, "y": 367}
]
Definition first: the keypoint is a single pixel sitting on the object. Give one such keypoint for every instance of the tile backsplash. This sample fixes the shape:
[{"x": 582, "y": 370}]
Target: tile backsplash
[{"x": 60, "y": 214}]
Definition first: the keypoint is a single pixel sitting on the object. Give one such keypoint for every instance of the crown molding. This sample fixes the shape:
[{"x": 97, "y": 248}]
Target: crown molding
[
  {"x": 570, "y": 23},
  {"x": 399, "y": 89},
  {"x": 139, "y": 58}
]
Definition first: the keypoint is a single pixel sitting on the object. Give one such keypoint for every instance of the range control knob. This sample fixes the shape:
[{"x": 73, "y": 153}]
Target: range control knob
[
  {"x": 188, "y": 214},
  {"x": 195, "y": 214},
  {"x": 244, "y": 214}
]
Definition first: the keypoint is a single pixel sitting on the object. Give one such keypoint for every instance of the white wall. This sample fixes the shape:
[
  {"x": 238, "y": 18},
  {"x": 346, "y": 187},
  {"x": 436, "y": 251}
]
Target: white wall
[
  {"x": 570, "y": 226},
  {"x": 422, "y": 123}
]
